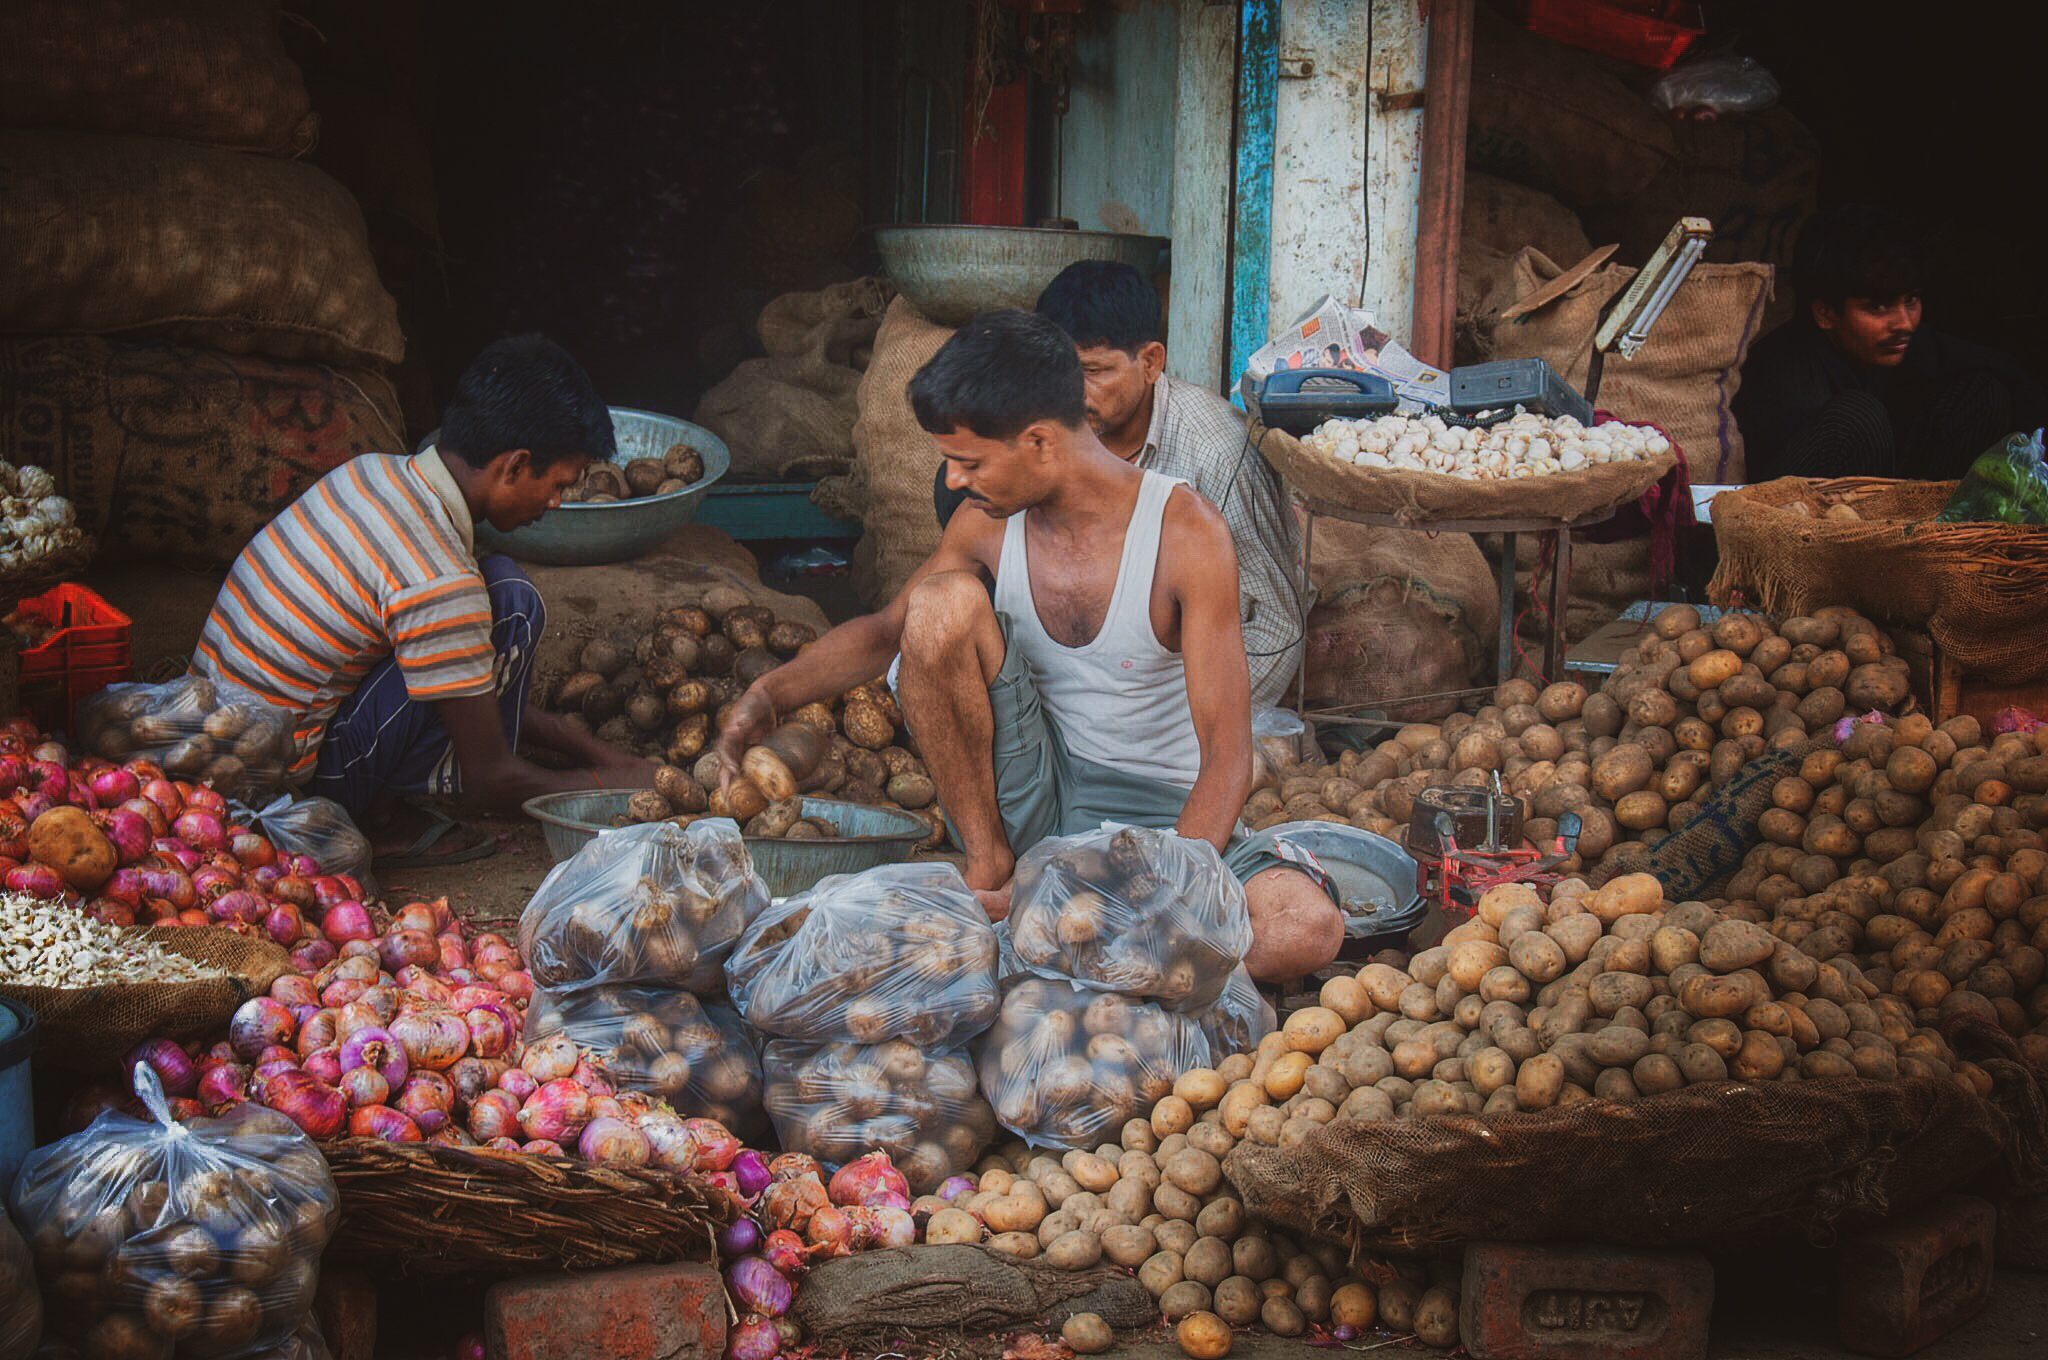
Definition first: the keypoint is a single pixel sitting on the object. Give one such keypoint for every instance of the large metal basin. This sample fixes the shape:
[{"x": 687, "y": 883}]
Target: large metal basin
[
  {"x": 1375, "y": 876},
  {"x": 878, "y": 836},
  {"x": 951, "y": 272},
  {"x": 619, "y": 531}
]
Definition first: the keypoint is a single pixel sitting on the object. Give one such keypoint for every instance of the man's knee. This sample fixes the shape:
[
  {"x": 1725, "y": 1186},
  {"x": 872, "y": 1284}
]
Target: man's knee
[
  {"x": 945, "y": 610},
  {"x": 1296, "y": 928}
]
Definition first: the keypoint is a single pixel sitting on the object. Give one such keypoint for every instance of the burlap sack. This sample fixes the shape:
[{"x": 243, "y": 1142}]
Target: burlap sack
[
  {"x": 90, "y": 1028},
  {"x": 835, "y": 324},
  {"x": 784, "y": 419},
  {"x": 178, "y": 454},
  {"x": 144, "y": 236},
  {"x": 210, "y": 71},
  {"x": 1558, "y": 119},
  {"x": 1686, "y": 374},
  {"x": 1505, "y": 216},
  {"x": 1606, "y": 579},
  {"x": 1724, "y": 1162},
  {"x": 1975, "y": 588},
  {"x": 1419, "y": 499},
  {"x": 1399, "y": 612},
  {"x": 898, "y": 458}
]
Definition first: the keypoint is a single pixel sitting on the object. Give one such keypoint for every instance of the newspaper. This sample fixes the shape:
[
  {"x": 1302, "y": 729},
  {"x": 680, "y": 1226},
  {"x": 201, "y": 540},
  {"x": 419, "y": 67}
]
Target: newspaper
[{"x": 1332, "y": 335}]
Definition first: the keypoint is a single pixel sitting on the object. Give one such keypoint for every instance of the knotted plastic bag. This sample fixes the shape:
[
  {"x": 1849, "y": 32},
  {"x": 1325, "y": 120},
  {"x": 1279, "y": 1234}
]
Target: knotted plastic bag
[
  {"x": 699, "y": 1058},
  {"x": 839, "y": 1101},
  {"x": 211, "y": 732},
  {"x": 2008, "y": 484},
  {"x": 319, "y": 828},
  {"x": 1136, "y": 910},
  {"x": 1240, "y": 1018}
]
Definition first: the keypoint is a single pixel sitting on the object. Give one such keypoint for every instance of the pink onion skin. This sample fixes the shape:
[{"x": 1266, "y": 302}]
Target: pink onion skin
[
  {"x": 519, "y": 1083},
  {"x": 34, "y": 880},
  {"x": 750, "y": 1169},
  {"x": 257, "y": 1024},
  {"x": 953, "y": 1187},
  {"x": 864, "y": 1178},
  {"x": 295, "y": 990},
  {"x": 494, "y": 1114},
  {"x": 491, "y": 1030},
  {"x": 831, "y": 1232},
  {"x": 716, "y": 1146},
  {"x": 317, "y": 1108},
  {"x": 552, "y": 1057},
  {"x": 277, "y": 1053},
  {"x": 310, "y": 956},
  {"x": 223, "y": 1084},
  {"x": 557, "y": 1111},
  {"x": 454, "y": 951},
  {"x": 111, "y": 785},
  {"x": 429, "y": 1098},
  {"x": 305, "y": 866},
  {"x": 517, "y": 984},
  {"x": 787, "y": 1253},
  {"x": 758, "y": 1288},
  {"x": 346, "y": 921},
  {"x": 237, "y": 904},
  {"x": 342, "y": 991},
  {"x": 378, "y": 1048},
  {"x": 433, "y": 1039},
  {"x": 127, "y": 833},
  {"x": 364, "y": 1086},
  {"x": 383, "y": 1122},
  {"x": 321, "y": 1030},
  {"x": 177, "y": 853},
  {"x": 739, "y": 1237},
  {"x": 753, "y": 1339},
  {"x": 174, "y": 1067},
  {"x": 406, "y": 948},
  {"x": 611, "y": 1141},
  {"x": 542, "y": 1147},
  {"x": 283, "y": 924},
  {"x": 168, "y": 884},
  {"x": 591, "y": 1077},
  {"x": 324, "y": 1063}
]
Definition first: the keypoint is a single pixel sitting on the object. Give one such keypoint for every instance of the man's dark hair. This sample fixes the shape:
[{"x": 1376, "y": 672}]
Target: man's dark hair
[
  {"x": 526, "y": 392},
  {"x": 1103, "y": 303},
  {"x": 998, "y": 374},
  {"x": 1856, "y": 250}
]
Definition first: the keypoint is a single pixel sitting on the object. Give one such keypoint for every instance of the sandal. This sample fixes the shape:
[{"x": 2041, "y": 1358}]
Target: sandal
[{"x": 417, "y": 856}]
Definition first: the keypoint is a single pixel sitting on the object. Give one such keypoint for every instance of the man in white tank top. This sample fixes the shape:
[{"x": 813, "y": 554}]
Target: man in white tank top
[{"x": 1103, "y": 677}]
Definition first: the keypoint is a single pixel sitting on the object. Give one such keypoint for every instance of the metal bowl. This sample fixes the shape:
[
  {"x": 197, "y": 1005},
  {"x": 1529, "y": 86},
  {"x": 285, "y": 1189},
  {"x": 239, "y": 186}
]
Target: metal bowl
[
  {"x": 616, "y": 531},
  {"x": 951, "y": 272},
  {"x": 1375, "y": 876},
  {"x": 879, "y": 836}
]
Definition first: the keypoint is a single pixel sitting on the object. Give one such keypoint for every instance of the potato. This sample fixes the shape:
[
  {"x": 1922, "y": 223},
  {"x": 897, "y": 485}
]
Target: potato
[
  {"x": 1436, "y": 1317},
  {"x": 65, "y": 839},
  {"x": 1398, "y": 1300},
  {"x": 1195, "y": 1171},
  {"x": 1075, "y": 1250},
  {"x": 1312, "y": 1029},
  {"x": 1347, "y": 997},
  {"x": 1161, "y": 1272},
  {"x": 1354, "y": 1305},
  {"x": 1087, "y": 1334},
  {"x": 1222, "y": 1217},
  {"x": 1621, "y": 772},
  {"x": 1238, "y": 1301},
  {"x": 1018, "y": 1246},
  {"x": 1202, "y": 1335},
  {"x": 1200, "y": 1087},
  {"x": 953, "y": 1225},
  {"x": 1538, "y": 1083},
  {"x": 1282, "y": 1317}
]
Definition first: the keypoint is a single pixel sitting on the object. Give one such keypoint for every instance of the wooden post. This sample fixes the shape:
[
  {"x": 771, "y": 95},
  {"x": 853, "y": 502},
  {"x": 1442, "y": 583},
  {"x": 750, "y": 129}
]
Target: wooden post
[
  {"x": 1251, "y": 241},
  {"x": 1198, "y": 321},
  {"x": 1440, "y": 214}
]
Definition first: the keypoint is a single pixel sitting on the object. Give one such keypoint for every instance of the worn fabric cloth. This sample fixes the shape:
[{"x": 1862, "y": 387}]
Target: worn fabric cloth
[
  {"x": 1200, "y": 438},
  {"x": 383, "y": 741},
  {"x": 368, "y": 564},
  {"x": 1807, "y": 410}
]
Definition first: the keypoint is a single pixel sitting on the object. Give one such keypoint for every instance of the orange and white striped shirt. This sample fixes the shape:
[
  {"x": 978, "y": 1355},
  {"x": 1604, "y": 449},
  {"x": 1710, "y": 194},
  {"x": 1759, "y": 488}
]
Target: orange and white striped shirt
[{"x": 376, "y": 559}]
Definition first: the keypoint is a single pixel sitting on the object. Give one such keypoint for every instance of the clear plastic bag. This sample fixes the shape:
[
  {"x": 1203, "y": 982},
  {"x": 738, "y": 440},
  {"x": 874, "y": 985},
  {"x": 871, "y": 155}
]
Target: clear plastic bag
[
  {"x": 1716, "y": 85},
  {"x": 1240, "y": 1018},
  {"x": 1136, "y": 910},
  {"x": 2008, "y": 484},
  {"x": 699, "y": 1058},
  {"x": 209, "y": 731},
  {"x": 900, "y": 952},
  {"x": 202, "y": 1237},
  {"x": 656, "y": 903},
  {"x": 318, "y": 827},
  {"x": 837, "y": 1101},
  {"x": 21, "y": 1307},
  {"x": 1064, "y": 1066},
  {"x": 1281, "y": 738}
]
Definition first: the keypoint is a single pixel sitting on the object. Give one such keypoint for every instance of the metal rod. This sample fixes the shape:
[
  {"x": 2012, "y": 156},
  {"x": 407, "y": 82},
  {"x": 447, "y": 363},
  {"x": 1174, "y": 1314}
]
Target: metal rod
[
  {"x": 1308, "y": 538},
  {"x": 1506, "y": 670}
]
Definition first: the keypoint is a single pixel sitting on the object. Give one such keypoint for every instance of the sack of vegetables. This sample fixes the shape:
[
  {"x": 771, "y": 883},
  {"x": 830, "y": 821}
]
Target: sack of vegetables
[
  {"x": 1136, "y": 910},
  {"x": 21, "y": 1308},
  {"x": 656, "y": 903},
  {"x": 1240, "y": 1018},
  {"x": 699, "y": 1058},
  {"x": 1064, "y": 1066},
  {"x": 151, "y": 1236},
  {"x": 211, "y": 732},
  {"x": 839, "y": 1101},
  {"x": 899, "y": 952}
]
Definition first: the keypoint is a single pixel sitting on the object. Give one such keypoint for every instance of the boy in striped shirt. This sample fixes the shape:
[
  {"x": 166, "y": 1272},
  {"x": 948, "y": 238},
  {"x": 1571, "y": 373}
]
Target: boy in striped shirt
[{"x": 363, "y": 611}]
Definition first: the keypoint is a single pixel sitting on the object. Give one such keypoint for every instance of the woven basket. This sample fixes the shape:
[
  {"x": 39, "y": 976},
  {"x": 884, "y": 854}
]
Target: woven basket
[
  {"x": 1416, "y": 500},
  {"x": 1975, "y": 588},
  {"x": 428, "y": 1210}
]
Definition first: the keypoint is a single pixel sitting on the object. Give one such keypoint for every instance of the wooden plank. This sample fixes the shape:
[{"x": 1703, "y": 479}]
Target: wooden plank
[
  {"x": 1198, "y": 316},
  {"x": 1251, "y": 244},
  {"x": 1116, "y": 156},
  {"x": 994, "y": 169}
]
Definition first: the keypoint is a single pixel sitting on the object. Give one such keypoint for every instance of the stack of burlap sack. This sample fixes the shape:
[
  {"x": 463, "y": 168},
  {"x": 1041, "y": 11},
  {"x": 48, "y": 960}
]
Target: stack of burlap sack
[{"x": 192, "y": 330}]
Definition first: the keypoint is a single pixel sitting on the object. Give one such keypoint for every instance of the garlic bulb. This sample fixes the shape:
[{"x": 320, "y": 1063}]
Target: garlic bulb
[
  {"x": 1523, "y": 445},
  {"x": 35, "y": 522}
]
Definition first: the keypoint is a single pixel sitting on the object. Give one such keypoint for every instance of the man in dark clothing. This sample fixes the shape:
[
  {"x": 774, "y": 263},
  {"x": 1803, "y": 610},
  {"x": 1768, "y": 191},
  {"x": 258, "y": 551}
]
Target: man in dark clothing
[{"x": 1855, "y": 386}]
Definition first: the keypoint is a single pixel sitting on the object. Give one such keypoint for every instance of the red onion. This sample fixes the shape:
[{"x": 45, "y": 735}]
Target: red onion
[
  {"x": 381, "y": 1121},
  {"x": 787, "y": 1253},
  {"x": 953, "y": 1187},
  {"x": 236, "y": 905},
  {"x": 424, "y": 984},
  {"x": 13, "y": 771},
  {"x": 175, "y": 852},
  {"x": 345, "y": 921},
  {"x": 716, "y": 1147},
  {"x": 359, "y": 949},
  {"x": 470, "y": 1346},
  {"x": 48, "y": 778},
  {"x": 473, "y": 1076},
  {"x": 383, "y": 1003},
  {"x": 218, "y": 1052},
  {"x": 454, "y": 952},
  {"x": 324, "y": 1063},
  {"x": 882, "y": 1227},
  {"x": 1344, "y": 1331},
  {"x": 451, "y": 1135},
  {"x": 321, "y": 1030},
  {"x": 758, "y": 1288},
  {"x": 864, "y": 1178},
  {"x": 830, "y": 1231},
  {"x": 378, "y": 1048},
  {"x": 428, "y": 1098},
  {"x": 13, "y": 837},
  {"x": 152, "y": 816},
  {"x": 127, "y": 833},
  {"x": 264, "y": 877},
  {"x": 433, "y": 1039},
  {"x": 591, "y": 1077},
  {"x": 788, "y": 1166},
  {"x": 297, "y": 891},
  {"x": 542, "y": 1147},
  {"x": 556, "y": 1111},
  {"x": 610, "y": 1141},
  {"x": 50, "y": 751},
  {"x": 791, "y": 1203},
  {"x": 317, "y": 1108},
  {"x": 494, "y": 1114},
  {"x": 259, "y": 1023},
  {"x": 519, "y": 1083},
  {"x": 753, "y": 1339},
  {"x": 210, "y": 881},
  {"x": 606, "y": 1107},
  {"x": 517, "y": 984},
  {"x": 551, "y": 1057},
  {"x": 283, "y": 924},
  {"x": 492, "y": 948},
  {"x": 170, "y": 884},
  {"x": 491, "y": 1030},
  {"x": 294, "y": 990},
  {"x": 400, "y": 947},
  {"x": 277, "y": 1053},
  {"x": 34, "y": 880},
  {"x": 750, "y": 1169},
  {"x": 303, "y": 866},
  {"x": 251, "y": 848},
  {"x": 342, "y": 991},
  {"x": 467, "y": 998},
  {"x": 415, "y": 916},
  {"x": 223, "y": 1084},
  {"x": 174, "y": 1067},
  {"x": 309, "y": 956},
  {"x": 329, "y": 889},
  {"x": 301, "y": 1014},
  {"x": 204, "y": 799},
  {"x": 364, "y": 1086},
  {"x": 739, "y": 1237},
  {"x": 34, "y": 805},
  {"x": 112, "y": 785},
  {"x": 109, "y": 912}
]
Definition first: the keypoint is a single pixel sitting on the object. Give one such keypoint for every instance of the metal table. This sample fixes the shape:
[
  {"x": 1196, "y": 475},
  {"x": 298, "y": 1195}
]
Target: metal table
[{"x": 1557, "y": 531}]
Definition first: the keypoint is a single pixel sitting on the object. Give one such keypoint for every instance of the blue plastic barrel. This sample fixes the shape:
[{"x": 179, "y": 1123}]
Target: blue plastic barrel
[{"x": 17, "y": 1124}]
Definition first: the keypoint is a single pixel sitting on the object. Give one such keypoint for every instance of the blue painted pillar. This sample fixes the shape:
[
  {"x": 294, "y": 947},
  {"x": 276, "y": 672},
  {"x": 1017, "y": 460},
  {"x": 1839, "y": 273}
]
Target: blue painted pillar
[{"x": 1251, "y": 240}]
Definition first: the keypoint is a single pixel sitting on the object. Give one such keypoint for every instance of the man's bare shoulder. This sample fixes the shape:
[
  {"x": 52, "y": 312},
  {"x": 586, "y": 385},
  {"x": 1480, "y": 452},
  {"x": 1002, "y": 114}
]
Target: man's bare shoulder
[
  {"x": 973, "y": 536},
  {"x": 1195, "y": 532}
]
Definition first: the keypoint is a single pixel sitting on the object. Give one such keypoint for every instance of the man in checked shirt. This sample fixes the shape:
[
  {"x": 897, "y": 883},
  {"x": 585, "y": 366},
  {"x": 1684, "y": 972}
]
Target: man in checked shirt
[{"x": 1185, "y": 431}]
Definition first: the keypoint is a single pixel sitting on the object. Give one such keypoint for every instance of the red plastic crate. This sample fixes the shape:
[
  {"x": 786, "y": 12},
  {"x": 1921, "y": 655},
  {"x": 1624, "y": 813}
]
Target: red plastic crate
[
  {"x": 1656, "y": 39},
  {"x": 88, "y": 652}
]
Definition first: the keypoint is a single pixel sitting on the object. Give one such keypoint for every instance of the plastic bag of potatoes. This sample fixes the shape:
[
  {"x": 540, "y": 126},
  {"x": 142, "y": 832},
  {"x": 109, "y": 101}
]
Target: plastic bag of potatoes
[
  {"x": 839, "y": 1101},
  {"x": 1240, "y": 1018},
  {"x": 900, "y": 952},
  {"x": 151, "y": 1236},
  {"x": 1064, "y": 1066},
  {"x": 211, "y": 732},
  {"x": 698, "y": 1057},
  {"x": 21, "y": 1307},
  {"x": 655, "y": 903},
  {"x": 1137, "y": 910}
]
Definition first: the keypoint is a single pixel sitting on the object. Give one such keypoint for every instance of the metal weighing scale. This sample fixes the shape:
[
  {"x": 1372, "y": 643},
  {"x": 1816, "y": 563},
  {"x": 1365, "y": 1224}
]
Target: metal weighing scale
[{"x": 1467, "y": 841}]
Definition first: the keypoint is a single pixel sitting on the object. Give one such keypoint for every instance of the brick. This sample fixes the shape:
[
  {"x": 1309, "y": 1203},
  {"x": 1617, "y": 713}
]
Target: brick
[
  {"x": 664, "y": 1312},
  {"x": 1569, "y": 1301},
  {"x": 2023, "y": 1232},
  {"x": 346, "y": 1308},
  {"x": 1918, "y": 1278}
]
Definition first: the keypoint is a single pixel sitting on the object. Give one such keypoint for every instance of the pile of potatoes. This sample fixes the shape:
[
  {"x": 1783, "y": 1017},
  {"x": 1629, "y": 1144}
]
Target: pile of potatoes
[
  {"x": 696, "y": 1055},
  {"x": 1635, "y": 759},
  {"x": 680, "y": 468},
  {"x": 839, "y": 1101},
  {"x": 665, "y": 691}
]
